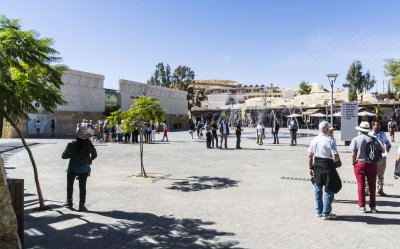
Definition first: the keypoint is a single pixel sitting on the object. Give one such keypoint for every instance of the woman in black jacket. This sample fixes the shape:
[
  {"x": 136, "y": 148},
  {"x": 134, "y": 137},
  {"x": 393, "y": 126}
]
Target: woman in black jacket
[
  {"x": 275, "y": 130},
  {"x": 81, "y": 154}
]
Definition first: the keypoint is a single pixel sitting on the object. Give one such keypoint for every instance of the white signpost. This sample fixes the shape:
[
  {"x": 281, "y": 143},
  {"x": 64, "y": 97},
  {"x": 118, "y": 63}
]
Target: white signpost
[{"x": 349, "y": 120}]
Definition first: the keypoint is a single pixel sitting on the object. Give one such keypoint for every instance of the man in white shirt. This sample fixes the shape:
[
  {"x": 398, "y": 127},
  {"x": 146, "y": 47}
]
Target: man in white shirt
[
  {"x": 324, "y": 153},
  {"x": 381, "y": 137}
]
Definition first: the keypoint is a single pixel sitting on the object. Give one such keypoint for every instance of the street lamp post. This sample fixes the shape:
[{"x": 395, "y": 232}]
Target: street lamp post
[{"x": 332, "y": 79}]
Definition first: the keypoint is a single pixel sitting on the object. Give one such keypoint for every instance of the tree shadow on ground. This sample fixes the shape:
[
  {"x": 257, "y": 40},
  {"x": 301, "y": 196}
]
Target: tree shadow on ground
[
  {"x": 371, "y": 220},
  {"x": 122, "y": 230},
  {"x": 198, "y": 183}
]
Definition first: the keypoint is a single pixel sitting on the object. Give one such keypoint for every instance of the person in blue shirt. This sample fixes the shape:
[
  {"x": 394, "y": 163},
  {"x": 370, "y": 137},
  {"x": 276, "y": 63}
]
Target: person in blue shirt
[{"x": 381, "y": 137}]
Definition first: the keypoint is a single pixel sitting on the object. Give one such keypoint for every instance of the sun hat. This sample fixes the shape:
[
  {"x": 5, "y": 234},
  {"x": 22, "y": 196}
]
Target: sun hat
[
  {"x": 364, "y": 127},
  {"x": 83, "y": 133}
]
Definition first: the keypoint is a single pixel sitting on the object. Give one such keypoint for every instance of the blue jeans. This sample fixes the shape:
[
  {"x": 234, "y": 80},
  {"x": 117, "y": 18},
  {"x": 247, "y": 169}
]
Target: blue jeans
[
  {"x": 119, "y": 137},
  {"x": 323, "y": 207},
  {"x": 276, "y": 138}
]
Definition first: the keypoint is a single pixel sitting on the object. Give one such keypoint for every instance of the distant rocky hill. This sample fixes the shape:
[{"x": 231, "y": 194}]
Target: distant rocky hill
[{"x": 203, "y": 84}]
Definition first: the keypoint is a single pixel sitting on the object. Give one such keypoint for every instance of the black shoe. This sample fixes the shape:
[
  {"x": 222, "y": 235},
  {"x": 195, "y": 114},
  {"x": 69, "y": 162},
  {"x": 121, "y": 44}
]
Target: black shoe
[
  {"x": 238, "y": 148},
  {"x": 381, "y": 193},
  {"x": 82, "y": 207},
  {"x": 69, "y": 204}
]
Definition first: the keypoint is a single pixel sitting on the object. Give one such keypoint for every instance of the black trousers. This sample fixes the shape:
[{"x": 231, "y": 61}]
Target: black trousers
[
  {"x": 82, "y": 177},
  {"x": 208, "y": 136},
  {"x": 293, "y": 138},
  {"x": 214, "y": 136},
  {"x": 238, "y": 141},
  {"x": 135, "y": 137},
  {"x": 127, "y": 137}
]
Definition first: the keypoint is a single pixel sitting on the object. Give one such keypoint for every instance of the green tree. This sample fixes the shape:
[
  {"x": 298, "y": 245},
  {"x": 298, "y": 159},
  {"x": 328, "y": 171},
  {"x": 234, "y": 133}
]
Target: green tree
[
  {"x": 392, "y": 69},
  {"x": 27, "y": 76},
  {"x": 305, "y": 88},
  {"x": 357, "y": 81},
  {"x": 143, "y": 110},
  {"x": 183, "y": 79},
  {"x": 161, "y": 77}
]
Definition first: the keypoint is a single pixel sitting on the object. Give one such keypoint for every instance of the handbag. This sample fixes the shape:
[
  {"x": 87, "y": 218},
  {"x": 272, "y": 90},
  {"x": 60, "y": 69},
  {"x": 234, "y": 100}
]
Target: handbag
[
  {"x": 66, "y": 165},
  {"x": 397, "y": 170}
]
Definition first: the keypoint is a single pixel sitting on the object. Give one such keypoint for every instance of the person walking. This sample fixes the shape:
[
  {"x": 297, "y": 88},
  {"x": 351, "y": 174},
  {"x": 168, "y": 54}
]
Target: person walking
[
  {"x": 53, "y": 127},
  {"x": 238, "y": 134},
  {"x": 224, "y": 130},
  {"x": 275, "y": 130},
  {"x": 392, "y": 126},
  {"x": 37, "y": 127},
  {"x": 207, "y": 127},
  {"x": 198, "y": 128},
  {"x": 322, "y": 156},
  {"x": 363, "y": 167},
  {"x": 119, "y": 133},
  {"x": 381, "y": 164},
  {"x": 165, "y": 135},
  {"x": 260, "y": 133},
  {"x": 135, "y": 132},
  {"x": 191, "y": 128},
  {"x": 214, "y": 136},
  {"x": 293, "y": 133},
  {"x": 81, "y": 154}
]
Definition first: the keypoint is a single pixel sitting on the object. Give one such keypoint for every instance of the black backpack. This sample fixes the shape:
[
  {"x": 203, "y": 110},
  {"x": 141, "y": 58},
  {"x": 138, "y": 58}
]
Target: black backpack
[{"x": 374, "y": 150}]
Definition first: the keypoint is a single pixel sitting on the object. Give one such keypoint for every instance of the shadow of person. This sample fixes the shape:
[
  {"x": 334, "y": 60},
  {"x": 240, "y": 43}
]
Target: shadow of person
[
  {"x": 119, "y": 229},
  {"x": 372, "y": 220}
]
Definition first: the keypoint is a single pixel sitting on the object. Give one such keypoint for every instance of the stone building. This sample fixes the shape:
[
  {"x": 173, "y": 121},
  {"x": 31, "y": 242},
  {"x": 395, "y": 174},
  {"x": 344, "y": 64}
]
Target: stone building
[
  {"x": 174, "y": 101},
  {"x": 87, "y": 99}
]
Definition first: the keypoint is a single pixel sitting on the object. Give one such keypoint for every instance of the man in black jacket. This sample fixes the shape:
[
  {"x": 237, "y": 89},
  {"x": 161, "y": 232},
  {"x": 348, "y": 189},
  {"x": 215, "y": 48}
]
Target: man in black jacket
[
  {"x": 238, "y": 134},
  {"x": 224, "y": 130}
]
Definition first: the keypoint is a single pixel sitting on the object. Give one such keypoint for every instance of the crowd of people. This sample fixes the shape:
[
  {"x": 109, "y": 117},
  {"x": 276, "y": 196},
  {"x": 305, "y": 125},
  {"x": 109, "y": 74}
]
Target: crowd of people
[
  {"x": 103, "y": 131},
  {"x": 369, "y": 150}
]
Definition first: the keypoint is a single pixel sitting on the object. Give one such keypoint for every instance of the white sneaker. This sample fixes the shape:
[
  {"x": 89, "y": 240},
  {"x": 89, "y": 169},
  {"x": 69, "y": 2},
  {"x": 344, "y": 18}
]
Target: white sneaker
[
  {"x": 318, "y": 215},
  {"x": 329, "y": 217},
  {"x": 373, "y": 210},
  {"x": 362, "y": 209}
]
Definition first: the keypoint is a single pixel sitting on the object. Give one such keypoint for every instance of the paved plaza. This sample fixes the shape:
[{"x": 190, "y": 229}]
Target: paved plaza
[{"x": 257, "y": 197}]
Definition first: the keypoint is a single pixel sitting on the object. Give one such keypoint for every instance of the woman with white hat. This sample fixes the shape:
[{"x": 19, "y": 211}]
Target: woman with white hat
[{"x": 81, "y": 154}]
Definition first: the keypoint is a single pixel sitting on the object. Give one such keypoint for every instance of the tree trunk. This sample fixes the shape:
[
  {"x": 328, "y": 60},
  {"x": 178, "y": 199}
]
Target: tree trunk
[
  {"x": 142, "y": 171},
  {"x": 1, "y": 126},
  {"x": 39, "y": 191}
]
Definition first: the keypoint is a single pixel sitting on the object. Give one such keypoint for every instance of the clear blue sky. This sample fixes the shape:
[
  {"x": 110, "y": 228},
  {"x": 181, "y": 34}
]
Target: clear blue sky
[{"x": 251, "y": 42}]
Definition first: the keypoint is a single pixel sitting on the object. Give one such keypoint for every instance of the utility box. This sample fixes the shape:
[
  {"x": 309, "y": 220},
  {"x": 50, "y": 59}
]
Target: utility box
[{"x": 16, "y": 188}]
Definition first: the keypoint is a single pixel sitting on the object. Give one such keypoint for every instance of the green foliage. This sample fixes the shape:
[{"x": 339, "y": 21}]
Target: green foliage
[
  {"x": 392, "y": 69},
  {"x": 357, "y": 81},
  {"x": 182, "y": 79},
  {"x": 109, "y": 109},
  {"x": 26, "y": 73},
  {"x": 143, "y": 110},
  {"x": 305, "y": 88},
  {"x": 161, "y": 77}
]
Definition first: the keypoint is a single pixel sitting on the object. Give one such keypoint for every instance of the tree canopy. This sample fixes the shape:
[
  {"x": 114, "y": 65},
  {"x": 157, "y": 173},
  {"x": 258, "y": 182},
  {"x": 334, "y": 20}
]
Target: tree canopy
[
  {"x": 357, "y": 81},
  {"x": 392, "y": 69},
  {"x": 304, "y": 88},
  {"x": 181, "y": 79},
  {"x": 144, "y": 109},
  {"x": 161, "y": 77},
  {"x": 28, "y": 74}
]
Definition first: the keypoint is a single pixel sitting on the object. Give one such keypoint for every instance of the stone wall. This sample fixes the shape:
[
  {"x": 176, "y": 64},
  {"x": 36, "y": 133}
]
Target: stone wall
[
  {"x": 83, "y": 91},
  {"x": 174, "y": 101},
  {"x": 8, "y": 220}
]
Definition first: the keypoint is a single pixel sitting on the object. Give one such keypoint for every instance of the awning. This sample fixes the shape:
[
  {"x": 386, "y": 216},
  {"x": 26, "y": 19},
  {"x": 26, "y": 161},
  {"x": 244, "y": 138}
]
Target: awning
[{"x": 309, "y": 112}]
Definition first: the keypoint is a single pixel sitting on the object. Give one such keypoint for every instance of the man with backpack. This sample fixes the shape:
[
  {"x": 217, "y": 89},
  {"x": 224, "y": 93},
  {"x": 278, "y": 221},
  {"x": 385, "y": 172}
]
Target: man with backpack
[
  {"x": 293, "y": 133},
  {"x": 381, "y": 137},
  {"x": 366, "y": 152}
]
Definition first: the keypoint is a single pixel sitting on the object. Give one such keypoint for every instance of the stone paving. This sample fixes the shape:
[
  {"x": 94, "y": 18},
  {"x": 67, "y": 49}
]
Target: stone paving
[{"x": 257, "y": 197}]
